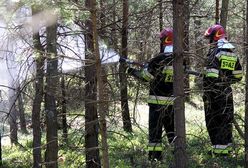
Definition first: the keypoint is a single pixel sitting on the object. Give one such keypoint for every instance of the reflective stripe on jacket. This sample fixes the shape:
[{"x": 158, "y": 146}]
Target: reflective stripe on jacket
[
  {"x": 161, "y": 100},
  {"x": 155, "y": 147}
]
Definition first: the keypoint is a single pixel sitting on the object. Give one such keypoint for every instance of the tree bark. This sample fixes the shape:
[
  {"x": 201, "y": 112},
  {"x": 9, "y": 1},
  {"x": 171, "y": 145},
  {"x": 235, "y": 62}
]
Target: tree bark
[
  {"x": 91, "y": 118},
  {"x": 51, "y": 153},
  {"x": 217, "y": 14},
  {"x": 13, "y": 116},
  {"x": 186, "y": 44},
  {"x": 160, "y": 18},
  {"x": 21, "y": 111},
  {"x": 223, "y": 13},
  {"x": 246, "y": 93},
  {"x": 178, "y": 84},
  {"x": 104, "y": 93},
  {"x": 64, "y": 110},
  {"x": 102, "y": 110},
  {"x": 36, "y": 110},
  {"x": 127, "y": 126}
]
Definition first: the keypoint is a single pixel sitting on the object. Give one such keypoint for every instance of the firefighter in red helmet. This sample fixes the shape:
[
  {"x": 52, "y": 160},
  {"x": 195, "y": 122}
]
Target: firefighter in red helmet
[
  {"x": 222, "y": 69},
  {"x": 159, "y": 74}
]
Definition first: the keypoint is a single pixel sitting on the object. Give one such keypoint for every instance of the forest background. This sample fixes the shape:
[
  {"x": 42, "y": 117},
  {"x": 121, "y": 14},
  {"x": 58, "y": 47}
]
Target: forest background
[{"x": 67, "y": 102}]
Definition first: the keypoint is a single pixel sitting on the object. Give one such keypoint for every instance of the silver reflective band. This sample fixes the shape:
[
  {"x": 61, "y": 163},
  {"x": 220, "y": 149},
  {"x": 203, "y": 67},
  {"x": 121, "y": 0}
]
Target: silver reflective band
[
  {"x": 212, "y": 70},
  {"x": 226, "y": 54},
  {"x": 152, "y": 97},
  {"x": 155, "y": 144},
  {"x": 220, "y": 146},
  {"x": 237, "y": 72},
  {"x": 168, "y": 67}
]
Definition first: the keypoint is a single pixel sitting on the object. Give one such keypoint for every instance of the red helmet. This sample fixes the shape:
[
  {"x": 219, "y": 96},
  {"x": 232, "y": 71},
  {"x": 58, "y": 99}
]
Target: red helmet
[
  {"x": 166, "y": 36},
  {"x": 215, "y": 32}
]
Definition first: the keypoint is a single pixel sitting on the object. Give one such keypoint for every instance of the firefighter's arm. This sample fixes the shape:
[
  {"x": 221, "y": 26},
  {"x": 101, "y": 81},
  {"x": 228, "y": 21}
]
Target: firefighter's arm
[
  {"x": 237, "y": 73},
  {"x": 141, "y": 74},
  {"x": 211, "y": 73}
]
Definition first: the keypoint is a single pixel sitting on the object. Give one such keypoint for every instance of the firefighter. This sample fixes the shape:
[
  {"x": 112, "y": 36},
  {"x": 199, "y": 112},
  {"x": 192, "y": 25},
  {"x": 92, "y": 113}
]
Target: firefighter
[
  {"x": 222, "y": 69},
  {"x": 159, "y": 73}
]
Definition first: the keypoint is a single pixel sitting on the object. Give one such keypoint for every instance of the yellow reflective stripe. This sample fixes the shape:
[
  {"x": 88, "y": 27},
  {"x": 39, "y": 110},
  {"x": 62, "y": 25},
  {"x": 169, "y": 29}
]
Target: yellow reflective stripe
[
  {"x": 160, "y": 100},
  {"x": 229, "y": 148},
  {"x": 237, "y": 73},
  {"x": 212, "y": 75},
  {"x": 146, "y": 75},
  {"x": 212, "y": 72},
  {"x": 167, "y": 69},
  {"x": 155, "y": 148},
  {"x": 221, "y": 151},
  {"x": 228, "y": 57},
  {"x": 238, "y": 76},
  {"x": 230, "y": 54}
]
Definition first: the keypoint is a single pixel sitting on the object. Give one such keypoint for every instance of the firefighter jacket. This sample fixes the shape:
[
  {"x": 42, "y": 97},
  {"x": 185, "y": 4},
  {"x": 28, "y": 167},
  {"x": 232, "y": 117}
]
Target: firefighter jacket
[
  {"x": 159, "y": 73},
  {"x": 223, "y": 67}
]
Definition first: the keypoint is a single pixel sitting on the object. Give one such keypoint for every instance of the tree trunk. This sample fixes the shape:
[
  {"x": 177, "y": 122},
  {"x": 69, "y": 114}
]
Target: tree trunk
[
  {"x": 178, "y": 85},
  {"x": 102, "y": 110},
  {"x": 223, "y": 13},
  {"x": 64, "y": 110},
  {"x": 160, "y": 18},
  {"x": 13, "y": 116},
  {"x": 217, "y": 14},
  {"x": 114, "y": 44},
  {"x": 91, "y": 118},
  {"x": 127, "y": 126},
  {"x": 104, "y": 93},
  {"x": 246, "y": 93},
  {"x": 51, "y": 154},
  {"x": 197, "y": 60},
  {"x": 36, "y": 111},
  {"x": 186, "y": 44},
  {"x": 21, "y": 111}
]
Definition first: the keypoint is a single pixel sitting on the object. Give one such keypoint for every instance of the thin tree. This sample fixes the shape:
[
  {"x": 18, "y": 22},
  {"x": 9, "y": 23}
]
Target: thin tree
[
  {"x": 21, "y": 110},
  {"x": 178, "y": 84},
  {"x": 64, "y": 109},
  {"x": 51, "y": 153},
  {"x": 13, "y": 116},
  {"x": 104, "y": 93},
  {"x": 102, "y": 105},
  {"x": 246, "y": 89},
  {"x": 223, "y": 13},
  {"x": 186, "y": 43},
  {"x": 91, "y": 118},
  {"x": 127, "y": 125},
  {"x": 217, "y": 14},
  {"x": 38, "y": 97},
  {"x": 160, "y": 18}
]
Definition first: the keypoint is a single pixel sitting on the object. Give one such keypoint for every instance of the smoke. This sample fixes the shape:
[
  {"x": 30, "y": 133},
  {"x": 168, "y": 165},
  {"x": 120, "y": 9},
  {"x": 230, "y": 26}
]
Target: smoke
[{"x": 44, "y": 18}]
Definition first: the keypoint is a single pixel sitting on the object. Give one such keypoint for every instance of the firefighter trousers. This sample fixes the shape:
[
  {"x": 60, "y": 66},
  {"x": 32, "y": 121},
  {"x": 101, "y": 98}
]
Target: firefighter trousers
[
  {"x": 160, "y": 116},
  {"x": 219, "y": 114}
]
